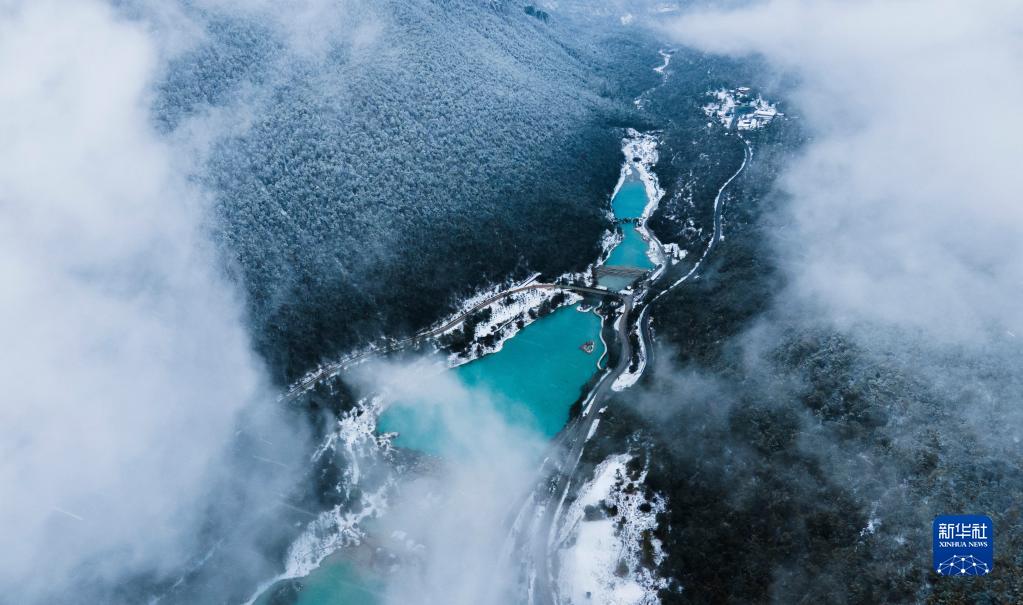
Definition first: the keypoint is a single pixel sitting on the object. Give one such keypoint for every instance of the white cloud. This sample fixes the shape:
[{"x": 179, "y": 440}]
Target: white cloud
[
  {"x": 460, "y": 512},
  {"x": 125, "y": 363},
  {"x": 906, "y": 206}
]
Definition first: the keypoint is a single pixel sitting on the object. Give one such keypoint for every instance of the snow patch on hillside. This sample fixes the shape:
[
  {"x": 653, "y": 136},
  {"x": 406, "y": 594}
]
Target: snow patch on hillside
[
  {"x": 470, "y": 302},
  {"x": 354, "y": 439},
  {"x": 675, "y": 252},
  {"x": 667, "y": 61},
  {"x": 723, "y": 109},
  {"x": 605, "y": 536},
  {"x": 610, "y": 239},
  {"x": 736, "y": 106},
  {"x": 508, "y": 316},
  {"x": 640, "y": 149},
  {"x": 631, "y": 374}
]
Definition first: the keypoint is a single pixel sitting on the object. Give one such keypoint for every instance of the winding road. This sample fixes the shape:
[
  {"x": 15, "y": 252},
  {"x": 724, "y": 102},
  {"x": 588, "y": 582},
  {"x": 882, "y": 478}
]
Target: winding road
[{"x": 567, "y": 448}]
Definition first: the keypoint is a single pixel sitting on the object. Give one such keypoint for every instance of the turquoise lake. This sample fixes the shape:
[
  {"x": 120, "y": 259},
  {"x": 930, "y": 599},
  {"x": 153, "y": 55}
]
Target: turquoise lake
[
  {"x": 336, "y": 582},
  {"x": 533, "y": 381}
]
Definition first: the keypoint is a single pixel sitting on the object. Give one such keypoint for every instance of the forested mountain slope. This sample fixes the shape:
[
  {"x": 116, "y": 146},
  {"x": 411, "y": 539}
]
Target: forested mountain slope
[
  {"x": 423, "y": 149},
  {"x": 802, "y": 458}
]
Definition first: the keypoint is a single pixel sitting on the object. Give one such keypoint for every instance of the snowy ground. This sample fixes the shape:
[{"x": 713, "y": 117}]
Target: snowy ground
[
  {"x": 469, "y": 303},
  {"x": 508, "y": 317},
  {"x": 354, "y": 438},
  {"x": 643, "y": 147},
  {"x": 601, "y": 540},
  {"x": 667, "y": 60},
  {"x": 736, "y": 106},
  {"x": 723, "y": 109},
  {"x": 630, "y": 377},
  {"x": 675, "y": 252}
]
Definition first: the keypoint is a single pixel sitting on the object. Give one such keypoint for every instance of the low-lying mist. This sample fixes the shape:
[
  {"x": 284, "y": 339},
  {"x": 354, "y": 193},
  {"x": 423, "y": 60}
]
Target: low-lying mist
[
  {"x": 182, "y": 183},
  {"x": 900, "y": 220},
  {"x": 880, "y": 386},
  {"x": 127, "y": 366},
  {"x": 905, "y": 208},
  {"x": 461, "y": 512}
]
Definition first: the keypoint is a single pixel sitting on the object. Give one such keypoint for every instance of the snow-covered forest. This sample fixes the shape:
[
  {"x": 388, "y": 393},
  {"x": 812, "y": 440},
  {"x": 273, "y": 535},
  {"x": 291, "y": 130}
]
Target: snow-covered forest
[
  {"x": 289, "y": 292},
  {"x": 430, "y": 149}
]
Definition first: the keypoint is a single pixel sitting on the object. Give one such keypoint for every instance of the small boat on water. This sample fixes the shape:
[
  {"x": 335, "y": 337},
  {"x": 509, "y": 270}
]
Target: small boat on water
[{"x": 587, "y": 347}]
